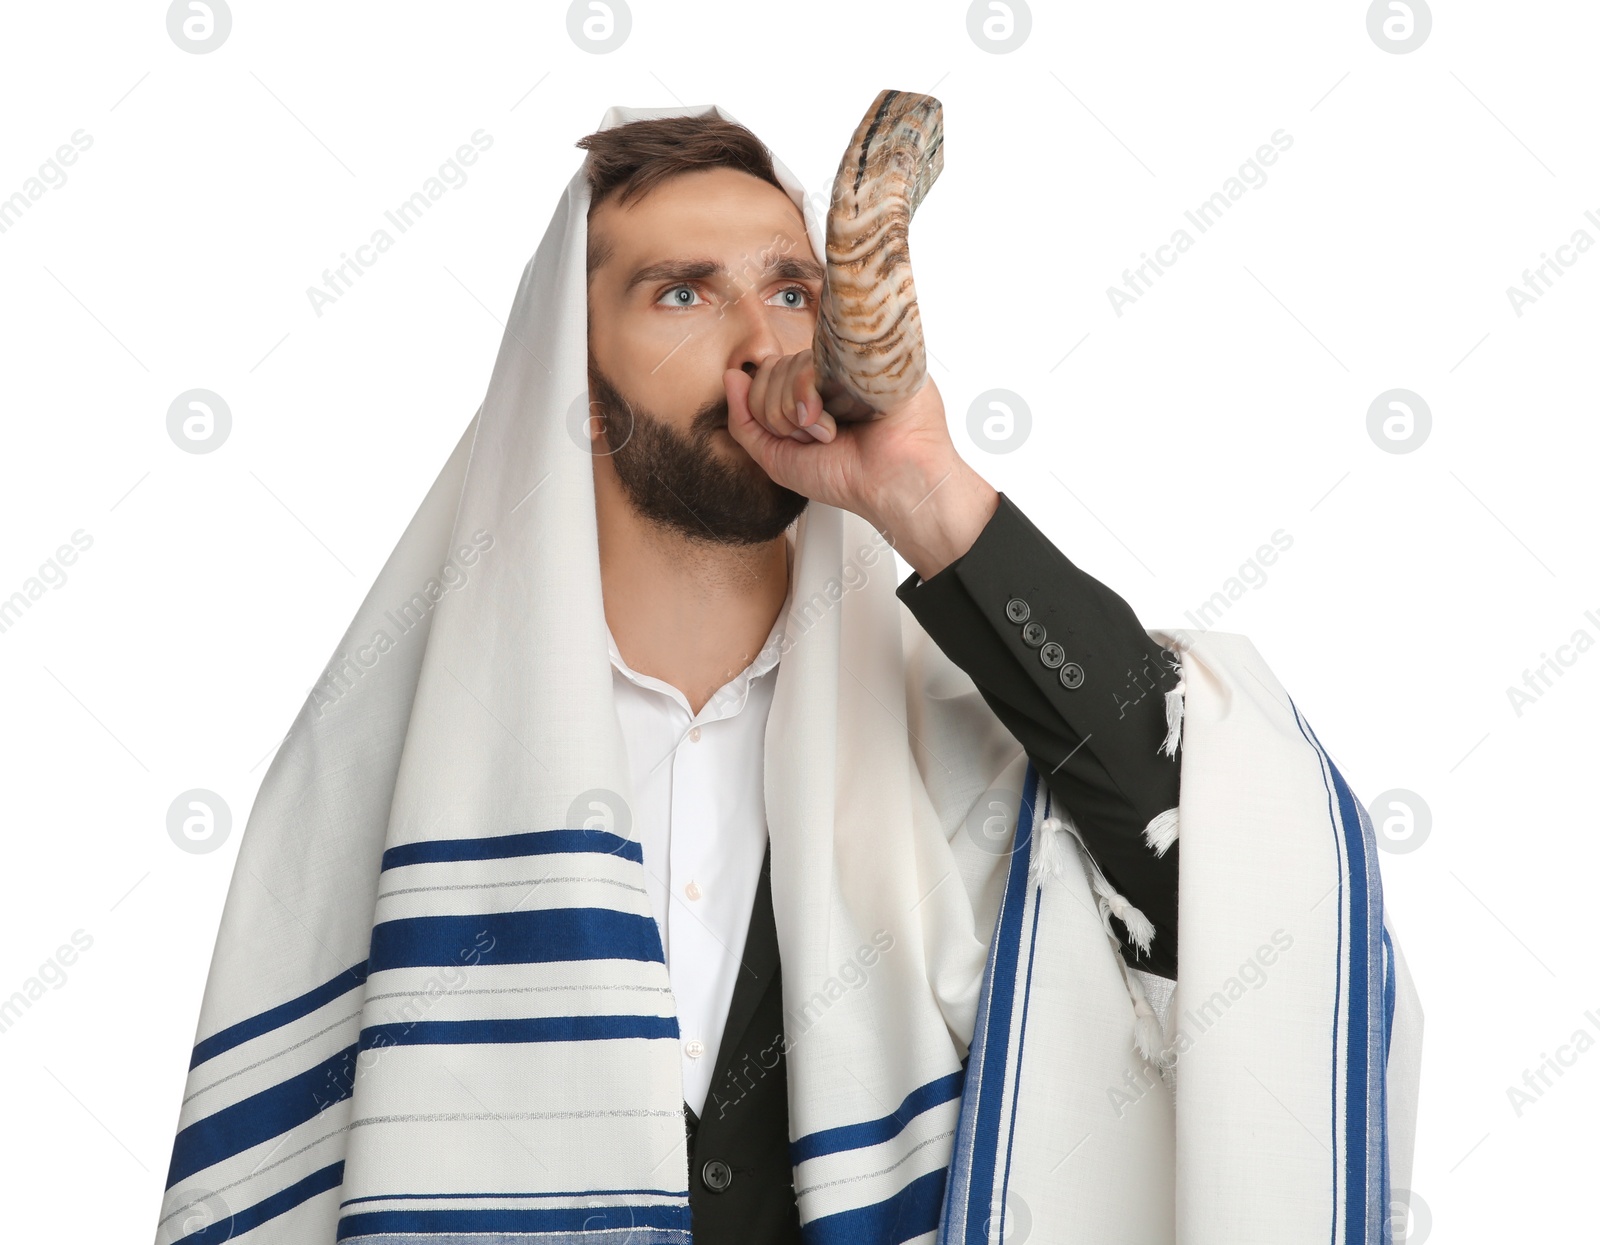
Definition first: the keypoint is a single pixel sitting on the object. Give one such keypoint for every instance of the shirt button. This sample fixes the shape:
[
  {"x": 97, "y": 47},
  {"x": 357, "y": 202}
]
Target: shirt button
[
  {"x": 1052, "y": 654},
  {"x": 1033, "y": 634},
  {"x": 716, "y": 1175},
  {"x": 692, "y": 890},
  {"x": 694, "y": 1048},
  {"x": 1072, "y": 675},
  {"x": 694, "y": 735},
  {"x": 1017, "y": 610}
]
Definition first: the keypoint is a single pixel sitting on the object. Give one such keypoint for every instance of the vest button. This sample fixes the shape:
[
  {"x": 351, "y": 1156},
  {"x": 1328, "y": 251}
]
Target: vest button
[{"x": 716, "y": 1175}]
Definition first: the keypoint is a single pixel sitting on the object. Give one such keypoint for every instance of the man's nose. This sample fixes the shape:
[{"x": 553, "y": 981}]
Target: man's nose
[{"x": 755, "y": 338}]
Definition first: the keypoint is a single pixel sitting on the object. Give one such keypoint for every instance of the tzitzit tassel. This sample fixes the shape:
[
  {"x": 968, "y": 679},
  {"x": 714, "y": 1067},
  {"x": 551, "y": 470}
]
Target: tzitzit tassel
[
  {"x": 1162, "y": 832},
  {"x": 1148, "y": 1038},
  {"x": 1149, "y": 1033},
  {"x": 1049, "y": 853},
  {"x": 1050, "y": 861},
  {"x": 1139, "y": 927},
  {"x": 1174, "y": 699}
]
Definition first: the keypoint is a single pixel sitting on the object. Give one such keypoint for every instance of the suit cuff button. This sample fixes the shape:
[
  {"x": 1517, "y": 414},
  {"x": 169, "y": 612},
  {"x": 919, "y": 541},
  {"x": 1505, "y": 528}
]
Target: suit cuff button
[
  {"x": 1072, "y": 676},
  {"x": 1017, "y": 610},
  {"x": 1052, "y": 654},
  {"x": 1033, "y": 634}
]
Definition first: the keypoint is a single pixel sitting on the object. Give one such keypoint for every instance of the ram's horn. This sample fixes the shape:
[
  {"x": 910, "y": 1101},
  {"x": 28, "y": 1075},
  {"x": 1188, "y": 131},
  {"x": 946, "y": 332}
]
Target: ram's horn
[{"x": 868, "y": 348}]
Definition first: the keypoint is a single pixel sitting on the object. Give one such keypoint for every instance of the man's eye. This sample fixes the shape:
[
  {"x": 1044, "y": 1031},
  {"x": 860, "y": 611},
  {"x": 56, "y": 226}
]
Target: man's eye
[
  {"x": 677, "y": 290},
  {"x": 795, "y": 289}
]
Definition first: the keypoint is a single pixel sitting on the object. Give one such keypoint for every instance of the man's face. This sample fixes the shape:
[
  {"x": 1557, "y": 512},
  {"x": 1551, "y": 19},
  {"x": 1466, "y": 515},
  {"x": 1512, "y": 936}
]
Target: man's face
[{"x": 710, "y": 270}]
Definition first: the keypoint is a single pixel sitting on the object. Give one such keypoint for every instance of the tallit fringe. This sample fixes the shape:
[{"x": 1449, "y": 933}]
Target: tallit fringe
[
  {"x": 1112, "y": 903},
  {"x": 1162, "y": 832},
  {"x": 1149, "y": 1037},
  {"x": 1174, "y": 699},
  {"x": 1049, "y": 861},
  {"x": 1050, "y": 856}
]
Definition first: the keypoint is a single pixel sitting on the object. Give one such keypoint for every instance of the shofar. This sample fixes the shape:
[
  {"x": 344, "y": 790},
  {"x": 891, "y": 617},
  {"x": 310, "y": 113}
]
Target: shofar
[{"x": 868, "y": 347}]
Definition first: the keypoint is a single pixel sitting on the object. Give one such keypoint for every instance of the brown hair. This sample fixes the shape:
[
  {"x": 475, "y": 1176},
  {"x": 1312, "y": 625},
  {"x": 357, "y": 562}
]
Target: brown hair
[{"x": 627, "y": 161}]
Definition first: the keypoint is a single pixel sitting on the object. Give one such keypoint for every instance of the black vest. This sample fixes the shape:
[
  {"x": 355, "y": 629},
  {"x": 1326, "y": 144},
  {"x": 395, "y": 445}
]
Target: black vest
[{"x": 741, "y": 1184}]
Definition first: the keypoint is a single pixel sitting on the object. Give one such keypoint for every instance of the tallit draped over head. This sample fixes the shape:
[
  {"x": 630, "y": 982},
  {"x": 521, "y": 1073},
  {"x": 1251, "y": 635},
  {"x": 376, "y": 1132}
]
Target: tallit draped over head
[{"x": 438, "y": 1006}]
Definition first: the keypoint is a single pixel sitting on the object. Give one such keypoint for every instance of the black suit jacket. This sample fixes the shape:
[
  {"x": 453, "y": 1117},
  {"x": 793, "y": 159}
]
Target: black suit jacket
[{"x": 1093, "y": 736}]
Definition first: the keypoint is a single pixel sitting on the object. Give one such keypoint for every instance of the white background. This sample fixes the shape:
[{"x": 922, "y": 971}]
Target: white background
[{"x": 1167, "y": 444}]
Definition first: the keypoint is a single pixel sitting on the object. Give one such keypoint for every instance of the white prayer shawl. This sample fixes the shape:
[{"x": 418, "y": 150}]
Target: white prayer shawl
[{"x": 438, "y": 1009}]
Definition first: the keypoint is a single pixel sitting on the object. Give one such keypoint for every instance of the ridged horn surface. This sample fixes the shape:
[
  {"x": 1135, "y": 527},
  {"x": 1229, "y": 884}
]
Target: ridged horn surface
[{"x": 868, "y": 345}]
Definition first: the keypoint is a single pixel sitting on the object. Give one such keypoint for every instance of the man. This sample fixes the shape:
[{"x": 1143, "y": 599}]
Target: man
[
  {"x": 710, "y": 443},
  {"x": 635, "y": 704}
]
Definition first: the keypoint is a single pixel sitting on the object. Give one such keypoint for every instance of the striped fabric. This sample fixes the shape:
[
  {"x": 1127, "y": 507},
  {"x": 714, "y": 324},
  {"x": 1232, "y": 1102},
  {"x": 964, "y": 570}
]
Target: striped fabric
[
  {"x": 1352, "y": 1202},
  {"x": 1363, "y": 1024},
  {"x": 438, "y": 1009}
]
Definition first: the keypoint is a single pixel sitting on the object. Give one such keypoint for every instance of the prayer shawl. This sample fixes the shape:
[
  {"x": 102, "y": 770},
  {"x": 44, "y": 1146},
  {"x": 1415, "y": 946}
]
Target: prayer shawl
[{"x": 438, "y": 1009}]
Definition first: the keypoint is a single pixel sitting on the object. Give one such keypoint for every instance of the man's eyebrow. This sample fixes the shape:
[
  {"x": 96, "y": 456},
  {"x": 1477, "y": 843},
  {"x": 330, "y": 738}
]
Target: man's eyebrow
[{"x": 789, "y": 267}]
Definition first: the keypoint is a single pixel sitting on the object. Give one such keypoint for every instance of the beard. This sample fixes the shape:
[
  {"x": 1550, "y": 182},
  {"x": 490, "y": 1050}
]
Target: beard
[{"x": 681, "y": 481}]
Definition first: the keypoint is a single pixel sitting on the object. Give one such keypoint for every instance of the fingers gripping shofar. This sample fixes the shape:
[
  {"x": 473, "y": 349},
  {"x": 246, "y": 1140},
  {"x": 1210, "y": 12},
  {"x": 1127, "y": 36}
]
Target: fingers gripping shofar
[{"x": 868, "y": 347}]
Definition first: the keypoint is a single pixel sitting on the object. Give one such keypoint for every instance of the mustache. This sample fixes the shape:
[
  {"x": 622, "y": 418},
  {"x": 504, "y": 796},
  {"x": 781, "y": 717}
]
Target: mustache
[
  {"x": 705, "y": 421},
  {"x": 712, "y": 415}
]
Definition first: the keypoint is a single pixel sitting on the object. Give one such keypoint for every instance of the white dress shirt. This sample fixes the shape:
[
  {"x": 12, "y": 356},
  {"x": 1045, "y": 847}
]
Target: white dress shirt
[{"x": 700, "y": 816}]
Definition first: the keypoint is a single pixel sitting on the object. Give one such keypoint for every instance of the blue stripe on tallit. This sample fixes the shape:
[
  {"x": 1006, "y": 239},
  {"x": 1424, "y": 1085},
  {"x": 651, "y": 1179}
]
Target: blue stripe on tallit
[
  {"x": 996, "y": 1042},
  {"x": 277, "y": 1017},
  {"x": 272, "y": 1112},
  {"x": 1388, "y": 994},
  {"x": 545, "y": 842},
  {"x": 908, "y": 1214},
  {"x": 1383, "y": 1092},
  {"x": 518, "y": 1029},
  {"x": 969, "y": 1189},
  {"x": 1338, "y": 980},
  {"x": 541, "y": 936},
  {"x": 1375, "y": 1025},
  {"x": 1383, "y": 1086},
  {"x": 1356, "y": 1035},
  {"x": 1364, "y": 1149},
  {"x": 285, "y": 1200},
  {"x": 501, "y": 846},
  {"x": 875, "y": 1132},
  {"x": 640, "y": 1223},
  {"x": 1016, "y": 1075},
  {"x": 262, "y": 1116}
]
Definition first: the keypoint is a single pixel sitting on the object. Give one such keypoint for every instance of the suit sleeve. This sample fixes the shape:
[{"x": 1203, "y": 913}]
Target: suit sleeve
[{"x": 1066, "y": 666}]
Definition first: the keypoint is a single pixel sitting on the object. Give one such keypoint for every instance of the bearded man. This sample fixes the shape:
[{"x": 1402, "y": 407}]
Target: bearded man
[{"x": 680, "y": 876}]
